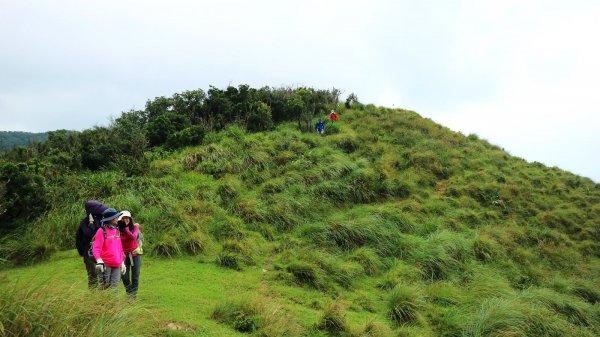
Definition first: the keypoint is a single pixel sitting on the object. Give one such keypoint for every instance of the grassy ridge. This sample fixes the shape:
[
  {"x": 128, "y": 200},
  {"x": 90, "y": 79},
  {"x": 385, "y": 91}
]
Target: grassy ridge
[{"x": 391, "y": 224}]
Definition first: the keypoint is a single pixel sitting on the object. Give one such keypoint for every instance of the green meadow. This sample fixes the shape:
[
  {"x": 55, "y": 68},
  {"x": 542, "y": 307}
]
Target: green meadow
[{"x": 388, "y": 225}]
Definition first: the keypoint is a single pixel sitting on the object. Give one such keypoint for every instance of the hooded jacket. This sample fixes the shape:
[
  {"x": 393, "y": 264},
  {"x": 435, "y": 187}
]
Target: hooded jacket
[
  {"x": 89, "y": 228},
  {"x": 129, "y": 238},
  {"x": 108, "y": 249}
]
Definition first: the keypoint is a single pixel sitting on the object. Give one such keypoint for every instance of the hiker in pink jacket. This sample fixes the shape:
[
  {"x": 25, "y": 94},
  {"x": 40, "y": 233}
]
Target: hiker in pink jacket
[
  {"x": 108, "y": 251},
  {"x": 130, "y": 236}
]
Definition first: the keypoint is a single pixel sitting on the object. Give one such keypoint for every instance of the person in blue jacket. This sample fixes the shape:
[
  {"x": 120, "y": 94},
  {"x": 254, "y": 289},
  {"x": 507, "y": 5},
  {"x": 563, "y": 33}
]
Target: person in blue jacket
[
  {"x": 87, "y": 228},
  {"x": 320, "y": 127}
]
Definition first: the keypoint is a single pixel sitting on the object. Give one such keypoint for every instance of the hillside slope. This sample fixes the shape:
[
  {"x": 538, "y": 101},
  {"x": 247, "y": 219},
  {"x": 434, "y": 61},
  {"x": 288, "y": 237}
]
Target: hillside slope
[
  {"x": 389, "y": 225},
  {"x": 8, "y": 139}
]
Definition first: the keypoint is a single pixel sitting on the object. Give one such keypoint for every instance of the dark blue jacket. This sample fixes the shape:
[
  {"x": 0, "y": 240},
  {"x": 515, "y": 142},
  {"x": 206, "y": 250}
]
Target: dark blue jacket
[{"x": 86, "y": 229}]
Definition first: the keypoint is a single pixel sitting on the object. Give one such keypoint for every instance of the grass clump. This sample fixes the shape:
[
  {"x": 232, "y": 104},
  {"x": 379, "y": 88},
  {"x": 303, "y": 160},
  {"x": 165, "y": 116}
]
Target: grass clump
[
  {"x": 369, "y": 260},
  {"x": 166, "y": 246},
  {"x": 586, "y": 291},
  {"x": 405, "y": 304},
  {"x": 373, "y": 328},
  {"x": 241, "y": 315},
  {"x": 332, "y": 321},
  {"x": 261, "y": 316},
  {"x": 304, "y": 273},
  {"x": 486, "y": 249},
  {"x": 229, "y": 260},
  {"x": 47, "y": 311},
  {"x": 511, "y": 317},
  {"x": 195, "y": 243}
]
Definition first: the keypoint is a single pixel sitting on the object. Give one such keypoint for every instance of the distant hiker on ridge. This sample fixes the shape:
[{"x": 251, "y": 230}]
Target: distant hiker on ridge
[
  {"x": 320, "y": 127},
  {"x": 88, "y": 226},
  {"x": 333, "y": 116}
]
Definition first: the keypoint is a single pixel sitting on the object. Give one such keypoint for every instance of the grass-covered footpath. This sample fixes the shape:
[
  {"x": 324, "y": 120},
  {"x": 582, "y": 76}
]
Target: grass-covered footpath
[{"x": 390, "y": 225}]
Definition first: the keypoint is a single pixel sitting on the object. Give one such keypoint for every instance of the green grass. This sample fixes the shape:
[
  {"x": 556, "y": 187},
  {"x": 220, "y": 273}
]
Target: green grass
[{"x": 391, "y": 226}]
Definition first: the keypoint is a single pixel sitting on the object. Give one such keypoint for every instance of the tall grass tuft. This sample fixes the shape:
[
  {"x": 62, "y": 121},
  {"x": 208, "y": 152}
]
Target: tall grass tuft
[
  {"x": 304, "y": 273},
  {"x": 240, "y": 315},
  {"x": 261, "y": 316},
  {"x": 520, "y": 318},
  {"x": 405, "y": 304},
  {"x": 49, "y": 311},
  {"x": 373, "y": 328},
  {"x": 369, "y": 260},
  {"x": 166, "y": 245},
  {"x": 333, "y": 321}
]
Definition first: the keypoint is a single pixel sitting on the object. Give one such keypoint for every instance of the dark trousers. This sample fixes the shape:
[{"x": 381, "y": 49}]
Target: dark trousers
[
  {"x": 131, "y": 278},
  {"x": 90, "y": 267}
]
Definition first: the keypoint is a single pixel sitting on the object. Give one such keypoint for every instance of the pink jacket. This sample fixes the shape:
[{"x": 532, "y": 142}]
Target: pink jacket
[
  {"x": 129, "y": 239},
  {"x": 109, "y": 250}
]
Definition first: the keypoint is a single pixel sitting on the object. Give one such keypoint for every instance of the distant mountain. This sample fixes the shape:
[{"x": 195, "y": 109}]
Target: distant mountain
[{"x": 9, "y": 139}]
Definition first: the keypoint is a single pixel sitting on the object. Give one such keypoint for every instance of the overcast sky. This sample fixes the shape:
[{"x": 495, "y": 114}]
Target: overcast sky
[{"x": 524, "y": 75}]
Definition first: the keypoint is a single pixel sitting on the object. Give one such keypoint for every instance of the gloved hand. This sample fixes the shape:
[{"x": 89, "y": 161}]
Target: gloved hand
[
  {"x": 123, "y": 269},
  {"x": 100, "y": 266}
]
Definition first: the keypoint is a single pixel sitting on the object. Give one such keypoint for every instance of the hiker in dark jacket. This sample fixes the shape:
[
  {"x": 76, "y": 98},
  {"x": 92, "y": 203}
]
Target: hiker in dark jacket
[
  {"x": 320, "y": 127},
  {"x": 88, "y": 227}
]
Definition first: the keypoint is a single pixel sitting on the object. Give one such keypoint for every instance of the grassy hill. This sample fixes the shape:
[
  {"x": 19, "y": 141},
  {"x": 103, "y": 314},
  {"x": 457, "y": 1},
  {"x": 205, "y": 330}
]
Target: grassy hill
[{"x": 389, "y": 225}]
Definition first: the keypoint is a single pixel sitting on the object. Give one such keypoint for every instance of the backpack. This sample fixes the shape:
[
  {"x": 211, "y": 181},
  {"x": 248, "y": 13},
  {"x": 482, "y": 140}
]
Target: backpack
[
  {"x": 90, "y": 253},
  {"x": 140, "y": 240},
  {"x": 80, "y": 241}
]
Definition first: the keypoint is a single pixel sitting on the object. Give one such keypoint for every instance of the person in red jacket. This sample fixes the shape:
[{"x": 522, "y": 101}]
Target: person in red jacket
[
  {"x": 130, "y": 232},
  {"x": 108, "y": 251},
  {"x": 333, "y": 116}
]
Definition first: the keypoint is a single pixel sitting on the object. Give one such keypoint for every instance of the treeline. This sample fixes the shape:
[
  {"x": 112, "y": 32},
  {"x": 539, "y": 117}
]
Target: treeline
[
  {"x": 166, "y": 122},
  {"x": 10, "y": 139}
]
